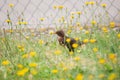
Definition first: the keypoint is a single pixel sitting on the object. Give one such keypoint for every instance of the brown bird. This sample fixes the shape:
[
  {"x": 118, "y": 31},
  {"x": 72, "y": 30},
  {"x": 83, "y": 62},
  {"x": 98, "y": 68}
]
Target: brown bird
[{"x": 62, "y": 40}]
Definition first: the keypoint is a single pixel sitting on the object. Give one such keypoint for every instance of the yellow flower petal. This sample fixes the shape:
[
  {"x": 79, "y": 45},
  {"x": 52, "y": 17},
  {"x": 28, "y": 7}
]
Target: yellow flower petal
[
  {"x": 104, "y": 5},
  {"x": 32, "y": 54},
  {"x": 102, "y": 61},
  {"x": 77, "y": 58},
  {"x": 34, "y": 72},
  {"x": 11, "y": 5},
  {"x": 92, "y": 40},
  {"x": 33, "y": 65},
  {"x": 75, "y": 45},
  {"x": 58, "y": 52},
  {"x": 79, "y": 77},
  {"x": 118, "y": 35},
  {"x": 112, "y": 24},
  {"x": 5, "y": 62},
  {"x": 85, "y": 40},
  {"x": 55, "y": 71},
  {"x": 95, "y": 49},
  {"x": 20, "y": 66},
  {"x": 68, "y": 40}
]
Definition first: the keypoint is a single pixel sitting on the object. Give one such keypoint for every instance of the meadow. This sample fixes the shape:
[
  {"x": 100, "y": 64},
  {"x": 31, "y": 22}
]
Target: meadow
[{"x": 35, "y": 54}]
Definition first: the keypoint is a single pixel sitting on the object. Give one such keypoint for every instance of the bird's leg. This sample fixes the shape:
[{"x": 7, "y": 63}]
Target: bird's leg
[{"x": 71, "y": 49}]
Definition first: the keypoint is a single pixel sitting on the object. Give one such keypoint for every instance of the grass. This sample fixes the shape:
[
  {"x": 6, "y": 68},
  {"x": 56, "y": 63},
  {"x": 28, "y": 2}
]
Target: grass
[
  {"x": 50, "y": 61},
  {"x": 32, "y": 54}
]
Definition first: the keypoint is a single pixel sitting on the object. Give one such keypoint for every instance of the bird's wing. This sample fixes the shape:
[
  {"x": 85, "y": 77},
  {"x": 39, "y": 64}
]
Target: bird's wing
[{"x": 61, "y": 41}]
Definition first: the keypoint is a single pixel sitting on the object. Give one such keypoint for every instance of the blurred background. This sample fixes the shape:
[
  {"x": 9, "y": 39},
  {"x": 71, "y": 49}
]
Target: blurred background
[{"x": 47, "y": 13}]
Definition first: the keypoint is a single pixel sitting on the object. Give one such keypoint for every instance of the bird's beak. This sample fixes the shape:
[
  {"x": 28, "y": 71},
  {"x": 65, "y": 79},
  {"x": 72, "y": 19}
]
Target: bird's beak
[{"x": 54, "y": 32}]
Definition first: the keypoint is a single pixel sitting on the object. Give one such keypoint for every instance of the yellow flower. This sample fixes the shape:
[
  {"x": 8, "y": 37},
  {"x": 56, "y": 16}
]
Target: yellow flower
[
  {"x": 65, "y": 69},
  {"x": 72, "y": 13},
  {"x": 21, "y": 47},
  {"x": 27, "y": 37},
  {"x": 55, "y": 71},
  {"x": 42, "y": 19},
  {"x": 59, "y": 20},
  {"x": 105, "y": 29},
  {"x": 62, "y": 64},
  {"x": 25, "y": 69},
  {"x": 72, "y": 17},
  {"x": 112, "y": 56},
  {"x": 63, "y": 18},
  {"x": 11, "y": 31},
  {"x": 76, "y": 38},
  {"x": 71, "y": 53},
  {"x": 33, "y": 72},
  {"x": 55, "y": 7},
  {"x": 24, "y": 22},
  {"x": 86, "y": 3},
  {"x": 32, "y": 54},
  {"x": 5, "y": 62},
  {"x": 78, "y": 51},
  {"x": 81, "y": 28},
  {"x": 41, "y": 42},
  {"x": 51, "y": 32},
  {"x": 112, "y": 76},
  {"x": 104, "y": 5},
  {"x": 85, "y": 40},
  {"x": 68, "y": 40},
  {"x": 118, "y": 35},
  {"x": 112, "y": 24},
  {"x": 79, "y": 77},
  {"x": 19, "y": 22},
  {"x": 32, "y": 34},
  {"x": 95, "y": 49},
  {"x": 60, "y": 7},
  {"x": 87, "y": 32},
  {"x": 102, "y": 61},
  {"x": 11, "y": 5},
  {"x": 75, "y": 45},
  {"x": 33, "y": 65},
  {"x": 25, "y": 56},
  {"x": 91, "y": 77},
  {"x": 8, "y": 21},
  {"x": 65, "y": 22},
  {"x": 78, "y": 12},
  {"x": 58, "y": 52},
  {"x": 101, "y": 76},
  {"x": 77, "y": 58},
  {"x": 69, "y": 31},
  {"x": 20, "y": 66},
  {"x": 78, "y": 23},
  {"x": 92, "y": 2},
  {"x": 62, "y": 79},
  {"x": 93, "y": 22},
  {"x": 22, "y": 72},
  {"x": 92, "y": 40}
]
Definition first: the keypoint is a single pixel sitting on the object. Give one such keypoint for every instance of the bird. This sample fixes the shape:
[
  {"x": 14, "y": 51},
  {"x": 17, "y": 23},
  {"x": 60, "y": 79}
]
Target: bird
[{"x": 62, "y": 39}]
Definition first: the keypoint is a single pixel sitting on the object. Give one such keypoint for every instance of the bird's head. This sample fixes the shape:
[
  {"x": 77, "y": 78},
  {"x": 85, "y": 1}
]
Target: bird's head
[{"x": 60, "y": 33}]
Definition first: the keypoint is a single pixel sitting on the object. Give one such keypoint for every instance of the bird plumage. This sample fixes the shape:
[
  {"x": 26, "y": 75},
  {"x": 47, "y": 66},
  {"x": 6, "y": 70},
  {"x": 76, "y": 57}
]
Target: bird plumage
[{"x": 62, "y": 40}]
